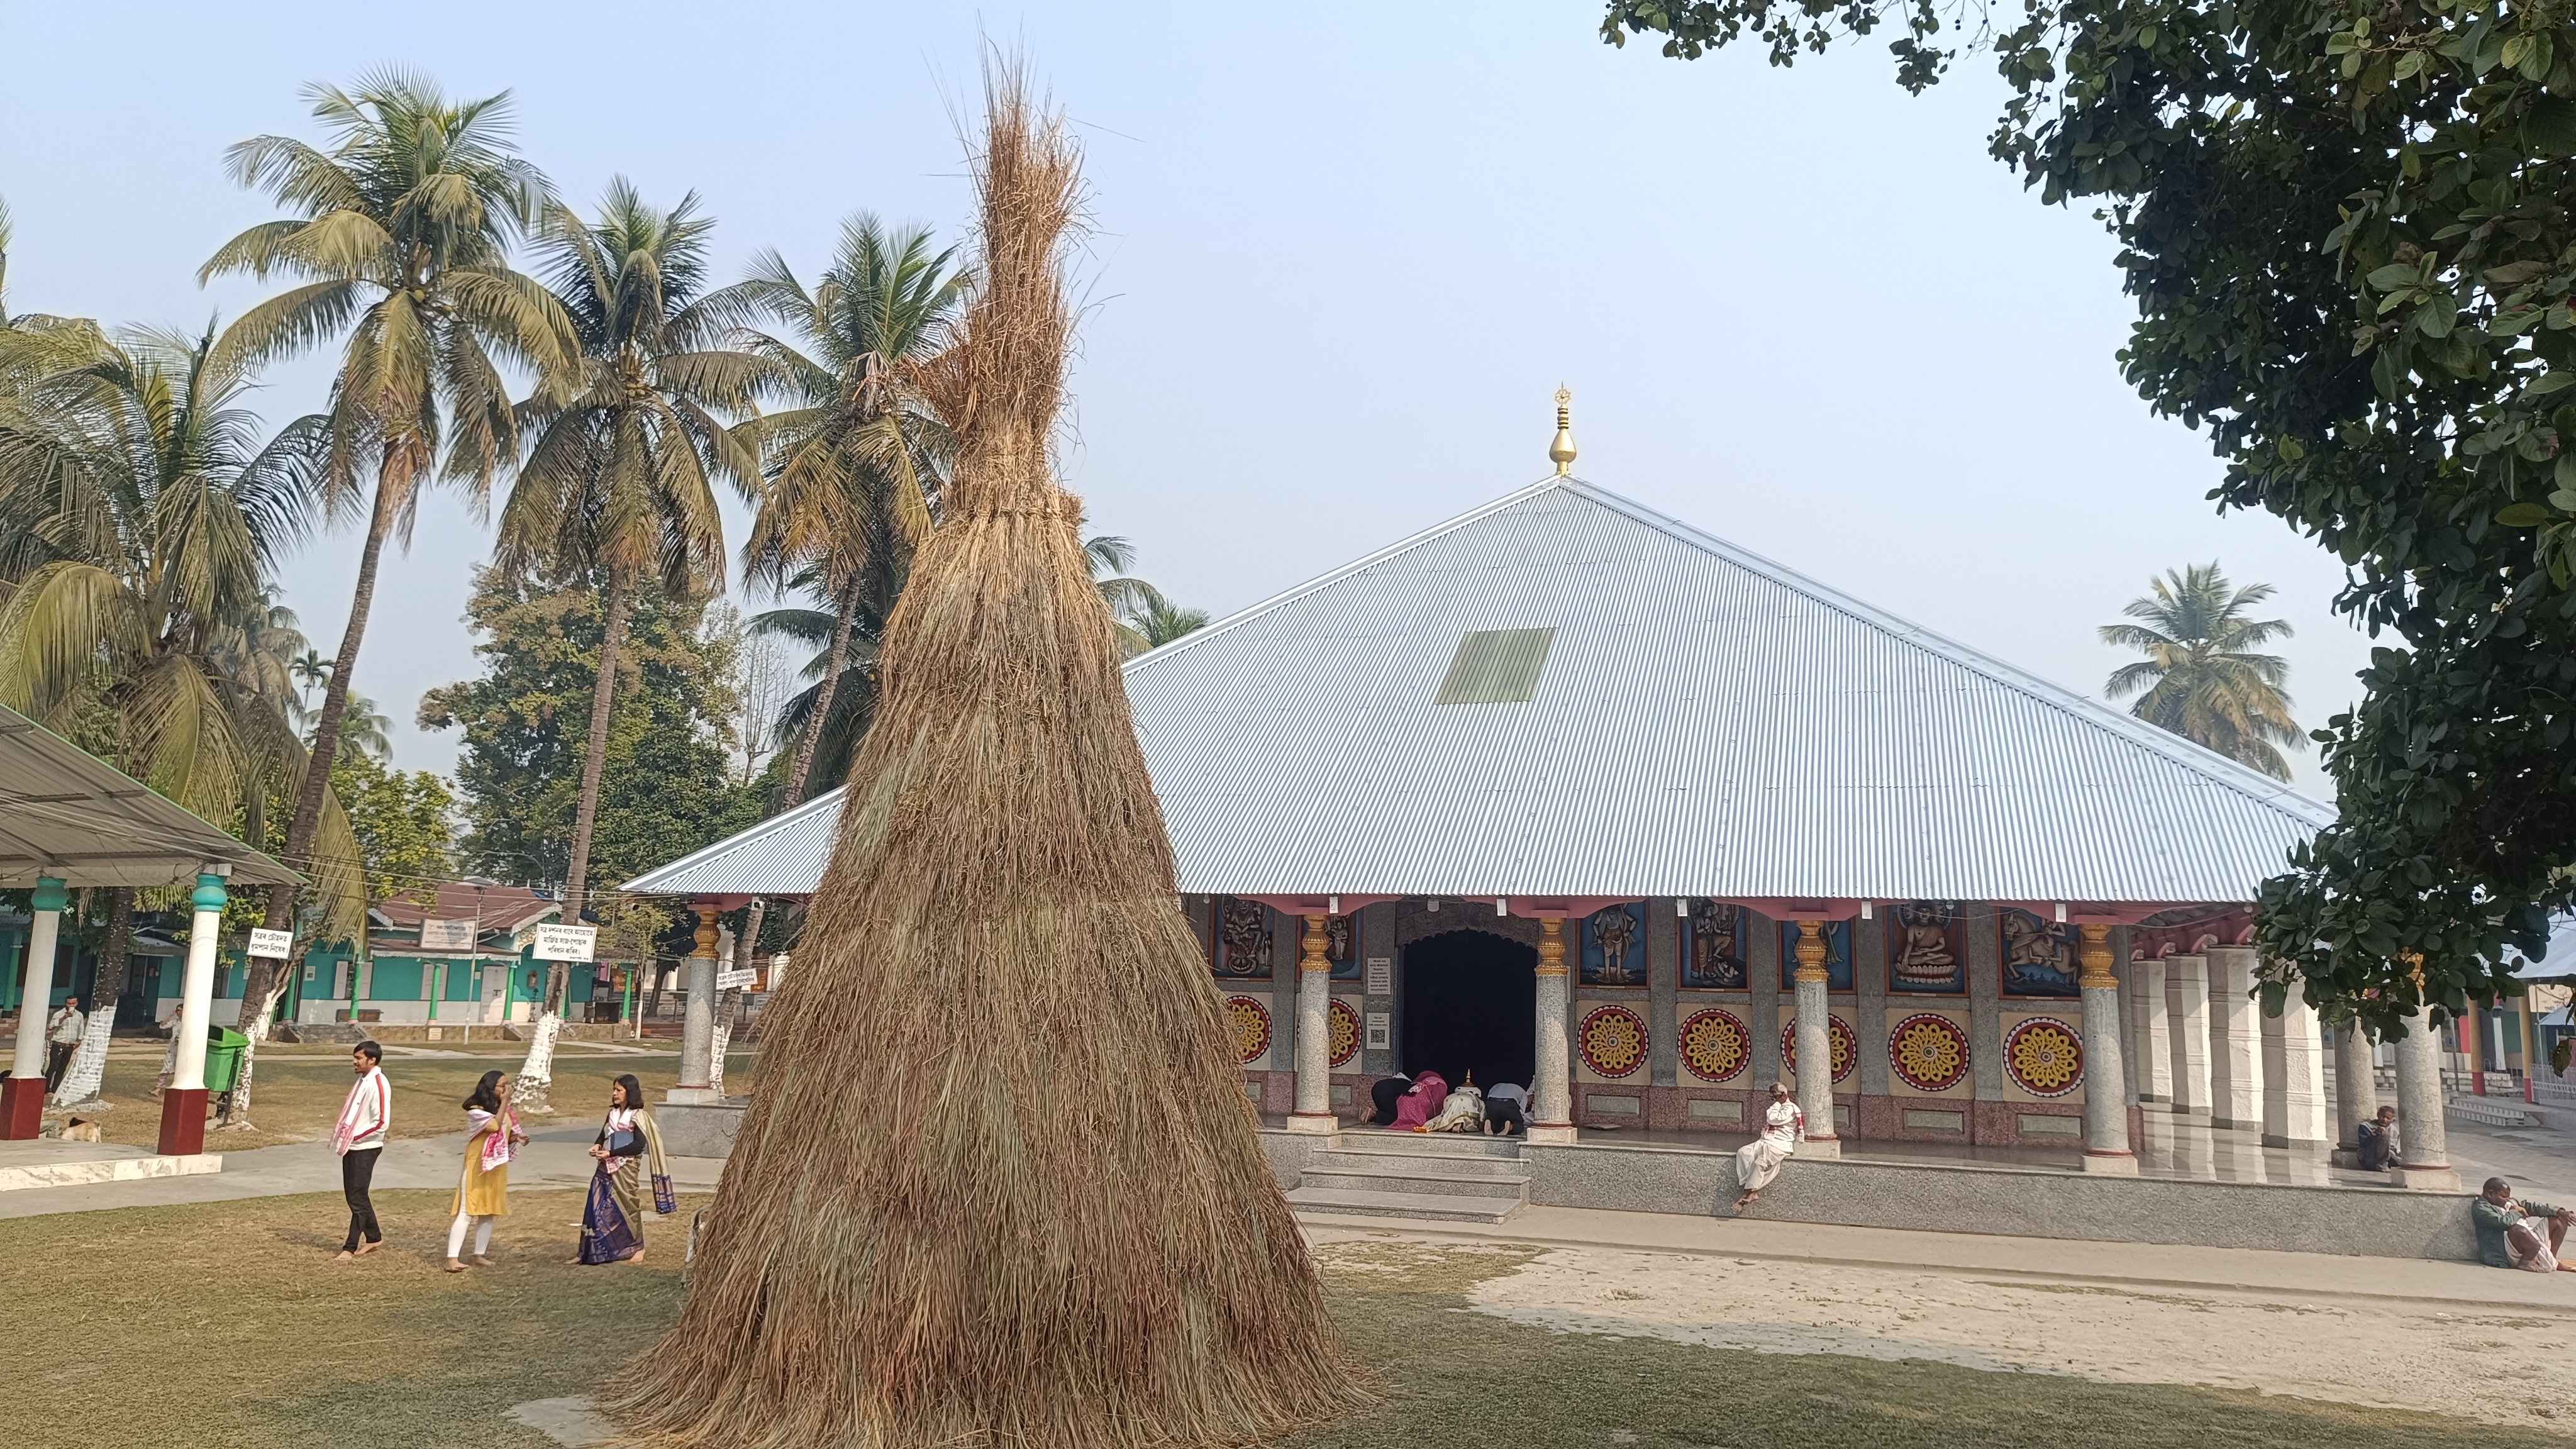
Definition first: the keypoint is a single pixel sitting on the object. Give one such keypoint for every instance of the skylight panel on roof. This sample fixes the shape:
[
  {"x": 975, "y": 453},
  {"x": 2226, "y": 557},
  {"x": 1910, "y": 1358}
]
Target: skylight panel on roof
[{"x": 1496, "y": 666}]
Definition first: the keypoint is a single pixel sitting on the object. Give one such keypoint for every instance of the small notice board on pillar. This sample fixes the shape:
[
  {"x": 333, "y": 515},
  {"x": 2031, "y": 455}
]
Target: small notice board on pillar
[
  {"x": 1381, "y": 976},
  {"x": 563, "y": 943},
  {"x": 275, "y": 945}
]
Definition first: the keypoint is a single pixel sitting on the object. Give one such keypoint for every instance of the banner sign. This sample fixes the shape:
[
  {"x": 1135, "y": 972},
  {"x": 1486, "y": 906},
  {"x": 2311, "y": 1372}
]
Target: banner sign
[
  {"x": 447, "y": 935},
  {"x": 736, "y": 980},
  {"x": 275, "y": 945},
  {"x": 565, "y": 943}
]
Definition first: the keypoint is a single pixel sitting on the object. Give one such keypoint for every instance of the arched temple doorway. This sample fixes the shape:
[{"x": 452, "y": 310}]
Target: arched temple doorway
[{"x": 1470, "y": 998}]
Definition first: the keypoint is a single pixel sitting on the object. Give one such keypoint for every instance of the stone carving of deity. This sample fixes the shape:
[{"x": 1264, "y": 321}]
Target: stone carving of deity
[
  {"x": 1923, "y": 954},
  {"x": 1337, "y": 938},
  {"x": 2036, "y": 952},
  {"x": 1717, "y": 959},
  {"x": 1245, "y": 932},
  {"x": 1614, "y": 931}
]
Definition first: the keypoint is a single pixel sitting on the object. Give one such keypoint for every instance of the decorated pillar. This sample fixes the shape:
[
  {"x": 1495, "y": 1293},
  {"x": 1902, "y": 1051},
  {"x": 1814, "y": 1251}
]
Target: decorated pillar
[
  {"x": 2238, "y": 1034},
  {"x": 2187, "y": 1033},
  {"x": 1815, "y": 1037},
  {"x": 183, "y": 1103},
  {"x": 2106, "y": 1099},
  {"x": 22, "y": 1097},
  {"x": 1314, "y": 1033},
  {"x": 2294, "y": 1074},
  {"x": 1552, "y": 1107},
  {"x": 2356, "y": 1090},
  {"x": 698, "y": 1028},
  {"x": 2424, "y": 1148}
]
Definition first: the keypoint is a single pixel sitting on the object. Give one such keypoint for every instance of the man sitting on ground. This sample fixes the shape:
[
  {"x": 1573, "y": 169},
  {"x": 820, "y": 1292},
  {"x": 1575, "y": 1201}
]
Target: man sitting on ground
[
  {"x": 2377, "y": 1148},
  {"x": 2517, "y": 1234}
]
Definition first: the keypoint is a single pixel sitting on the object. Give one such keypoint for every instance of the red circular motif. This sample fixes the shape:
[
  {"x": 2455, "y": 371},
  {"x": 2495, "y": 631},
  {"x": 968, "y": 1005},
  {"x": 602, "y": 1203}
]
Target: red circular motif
[
  {"x": 1928, "y": 1053},
  {"x": 2044, "y": 1057},
  {"x": 1846, "y": 1047},
  {"x": 1715, "y": 1045},
  {"x": 1250, "y": 1019},
  {"x": 1613, "y": 1041},
  {"x": 1342, "y": 1032}
]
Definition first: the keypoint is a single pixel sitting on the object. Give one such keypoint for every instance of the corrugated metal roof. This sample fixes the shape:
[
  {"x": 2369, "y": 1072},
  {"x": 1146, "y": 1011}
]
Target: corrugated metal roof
[{"x": 1708, "y": 723}]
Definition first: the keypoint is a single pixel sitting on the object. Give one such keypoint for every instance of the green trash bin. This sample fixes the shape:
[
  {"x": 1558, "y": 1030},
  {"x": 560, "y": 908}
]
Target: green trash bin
[{"x": 223, "y": 1057}]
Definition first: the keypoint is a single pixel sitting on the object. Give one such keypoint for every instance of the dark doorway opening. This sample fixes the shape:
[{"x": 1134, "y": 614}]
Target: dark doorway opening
[{"x": 1469, "y": 1002}]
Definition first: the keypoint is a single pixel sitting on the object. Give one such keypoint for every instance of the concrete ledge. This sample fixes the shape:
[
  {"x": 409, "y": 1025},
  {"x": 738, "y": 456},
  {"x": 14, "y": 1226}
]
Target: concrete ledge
[
  {"x": 2015, "y": 1202},
  {"x": 1290, "y": 1152},
  {"x": 700, "y": 1129},
  {"x": 81, "y": 1172}
]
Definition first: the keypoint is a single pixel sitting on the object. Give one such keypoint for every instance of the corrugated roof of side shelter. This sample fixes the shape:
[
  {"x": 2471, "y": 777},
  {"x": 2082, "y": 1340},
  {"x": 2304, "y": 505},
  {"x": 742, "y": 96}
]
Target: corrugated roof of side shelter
[
  {"x": 68, "y": 814},
  {"x": 1681, "y": 742}
]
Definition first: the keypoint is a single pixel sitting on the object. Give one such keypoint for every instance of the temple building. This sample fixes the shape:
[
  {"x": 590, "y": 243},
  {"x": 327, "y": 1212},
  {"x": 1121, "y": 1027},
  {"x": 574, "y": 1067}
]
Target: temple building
[{"x": 1568, "y": 793}]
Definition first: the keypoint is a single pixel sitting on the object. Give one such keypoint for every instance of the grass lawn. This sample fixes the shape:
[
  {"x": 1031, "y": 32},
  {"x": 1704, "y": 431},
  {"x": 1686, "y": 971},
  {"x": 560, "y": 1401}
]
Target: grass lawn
[
  {"x": 227, "y": 1324},
  {"x": 298, "y": 1090}
]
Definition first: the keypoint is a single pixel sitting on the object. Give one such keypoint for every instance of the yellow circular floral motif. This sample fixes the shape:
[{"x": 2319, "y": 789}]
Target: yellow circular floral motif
[
  {"x": 1613, "y": 1041},
  {"x": 1838, "y": 1031},
  {"x": 1928, "y": 1053},
  {"x": 1251, "y": 1027},
  {"x": 1345, "y": 1034},
  {"x": 2045, "y": 1057},
  {"x": 1715, "y": 1045}
]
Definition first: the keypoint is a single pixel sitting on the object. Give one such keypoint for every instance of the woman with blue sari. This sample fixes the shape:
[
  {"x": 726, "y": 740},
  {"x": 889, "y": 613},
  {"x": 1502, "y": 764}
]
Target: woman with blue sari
[{"x": 629, "y": 1152}]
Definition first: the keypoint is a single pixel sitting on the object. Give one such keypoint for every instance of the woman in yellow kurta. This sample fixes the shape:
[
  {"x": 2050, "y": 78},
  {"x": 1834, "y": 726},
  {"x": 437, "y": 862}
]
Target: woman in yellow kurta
[{"x": 483, "y": 1186}]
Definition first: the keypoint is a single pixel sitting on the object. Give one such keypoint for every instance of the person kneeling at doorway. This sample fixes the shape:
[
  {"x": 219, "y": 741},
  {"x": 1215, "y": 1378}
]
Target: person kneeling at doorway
[{"x": 1506, "y": 1109}]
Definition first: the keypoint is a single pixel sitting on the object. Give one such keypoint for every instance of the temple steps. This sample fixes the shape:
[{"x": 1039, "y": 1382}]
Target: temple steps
[{"x": 1454, "y": 1178}]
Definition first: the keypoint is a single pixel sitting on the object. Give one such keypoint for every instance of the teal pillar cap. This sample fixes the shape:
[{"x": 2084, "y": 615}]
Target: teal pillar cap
[
  {"x": 210, "y": 894},
  {"x": 50, "y": 895}
]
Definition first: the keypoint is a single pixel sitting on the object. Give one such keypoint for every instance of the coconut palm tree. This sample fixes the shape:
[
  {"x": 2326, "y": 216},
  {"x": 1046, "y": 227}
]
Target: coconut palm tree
[
  {"x": 363, "y": 731},
  {"x": 159, "y": 515},
  {"x": 841, "y": 698},
  {"x": 2200, "y": 678},
  {"x": 619, "y": 480},
  {"x": 852, "y": 456},
  {"x": 1162, "y": 622},
  {"x": 1128, "y": 597},
  {"x": 310, "y": 671},
  {"x": 398, "y": 232}
]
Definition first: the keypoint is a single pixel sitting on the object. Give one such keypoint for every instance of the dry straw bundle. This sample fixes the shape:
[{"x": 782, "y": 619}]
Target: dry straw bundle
[{"x": 998, "y": 1184}]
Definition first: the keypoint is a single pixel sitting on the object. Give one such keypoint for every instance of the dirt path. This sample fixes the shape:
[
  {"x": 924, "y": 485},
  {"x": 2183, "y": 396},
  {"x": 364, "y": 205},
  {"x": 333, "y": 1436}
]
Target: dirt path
[{"x": 2501, "y": 1368}]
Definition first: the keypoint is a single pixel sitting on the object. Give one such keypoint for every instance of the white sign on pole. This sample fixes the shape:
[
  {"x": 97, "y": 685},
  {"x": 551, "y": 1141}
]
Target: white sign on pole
[
  {"x": 1381, "y": 976},
  {"x": 453, "y": 935},
  {"x": 275, "y": 945},
  {"x": 565, "y": 943},
  {"x": 736, "y": 980}
]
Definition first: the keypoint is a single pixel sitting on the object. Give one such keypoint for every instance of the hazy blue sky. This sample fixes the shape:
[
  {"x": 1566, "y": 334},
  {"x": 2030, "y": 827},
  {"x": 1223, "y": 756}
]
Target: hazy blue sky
[{"x": 1344, "y": 254}]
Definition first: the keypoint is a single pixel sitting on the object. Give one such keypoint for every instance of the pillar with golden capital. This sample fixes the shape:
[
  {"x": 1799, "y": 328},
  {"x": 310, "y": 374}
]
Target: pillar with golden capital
[
  {"x": 1815, "y": 1038},
  {"x": 1552, "y": 1085},
  {"x": 698, "y": 1028},
  {"x": 1314, "y": 1032},
  {"x": 2106, "y": 1093}
]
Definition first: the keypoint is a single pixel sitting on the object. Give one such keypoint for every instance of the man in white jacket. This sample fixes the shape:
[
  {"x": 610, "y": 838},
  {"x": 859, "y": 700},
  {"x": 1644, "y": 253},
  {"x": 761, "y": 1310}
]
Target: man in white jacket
[{"x": 359, "y": 1138}]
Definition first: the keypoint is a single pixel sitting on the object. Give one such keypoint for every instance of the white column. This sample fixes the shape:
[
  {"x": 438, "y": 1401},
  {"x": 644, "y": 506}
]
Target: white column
[
  {"x": 197, "y": 986},
  {"x": 1552, "y": 1093},
  {"x": 698, "y": 1027},
  {"x": 2147, "y": 1020},
  {"x": 2187, "y": 1029},
  {"x": 38, "y": 1002},
  {"x": 2106, "y": 1092},
  {"x": 2356, "y": 1091},
  {"x": 2294, "y": 1074},
  {"x": 2237, "y": 1038},
  {"x": 2424, "y": 1148},
  {"x": 1814, "y": 1029},
  {"x": 1314, "y": 1034}
]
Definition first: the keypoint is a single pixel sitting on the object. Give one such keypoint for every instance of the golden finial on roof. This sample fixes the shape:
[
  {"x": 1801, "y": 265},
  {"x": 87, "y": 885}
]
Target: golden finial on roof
[{"x": 1561, "y": 451}]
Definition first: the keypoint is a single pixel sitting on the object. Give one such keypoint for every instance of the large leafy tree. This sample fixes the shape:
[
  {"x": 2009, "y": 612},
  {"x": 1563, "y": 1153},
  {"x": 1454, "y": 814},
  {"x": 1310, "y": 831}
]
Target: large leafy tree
[
  {"x": 2201, "y": 678},
  {"x": 619, "y": 482},
  {"x": 398, "y": 233},
  {"x": 149, "y": 516},
  {"x": 2346, "y": 225},
  {"x": 403, "y": 823}
]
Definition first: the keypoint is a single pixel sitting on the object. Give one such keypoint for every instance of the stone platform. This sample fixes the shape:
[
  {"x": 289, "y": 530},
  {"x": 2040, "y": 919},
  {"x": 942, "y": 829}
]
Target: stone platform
[{"x": 52, "y": 1162}]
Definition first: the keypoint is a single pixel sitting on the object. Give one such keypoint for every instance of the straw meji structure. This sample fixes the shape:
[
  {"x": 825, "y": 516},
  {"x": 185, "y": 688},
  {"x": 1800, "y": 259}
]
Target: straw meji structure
[{"x": 980, "y": 1215}]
